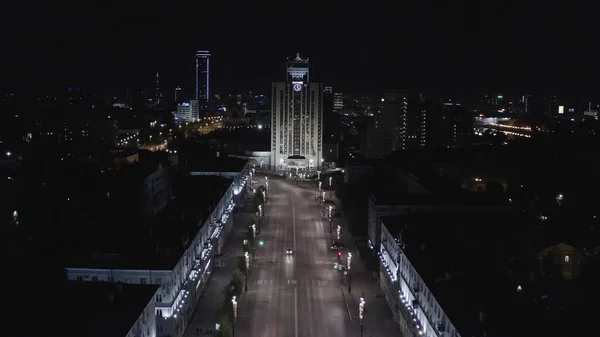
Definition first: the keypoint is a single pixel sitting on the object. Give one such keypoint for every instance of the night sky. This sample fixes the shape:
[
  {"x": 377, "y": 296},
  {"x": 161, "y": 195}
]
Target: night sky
[{"x": 462, "y": 46}]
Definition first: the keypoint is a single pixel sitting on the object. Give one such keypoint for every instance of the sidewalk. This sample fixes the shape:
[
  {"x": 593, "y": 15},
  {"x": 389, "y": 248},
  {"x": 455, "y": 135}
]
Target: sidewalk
[
  {"x": 208, "y": 309},
  {"x": 378, "y": 318}
]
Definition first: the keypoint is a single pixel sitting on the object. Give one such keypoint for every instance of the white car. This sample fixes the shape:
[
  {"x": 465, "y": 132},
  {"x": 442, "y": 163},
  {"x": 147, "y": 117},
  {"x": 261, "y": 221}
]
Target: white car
[{"x": 289, "y": 251}]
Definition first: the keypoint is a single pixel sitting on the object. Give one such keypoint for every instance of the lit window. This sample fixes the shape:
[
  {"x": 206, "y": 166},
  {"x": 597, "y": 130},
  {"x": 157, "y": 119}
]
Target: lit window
[{"x": 567, "y": 258}]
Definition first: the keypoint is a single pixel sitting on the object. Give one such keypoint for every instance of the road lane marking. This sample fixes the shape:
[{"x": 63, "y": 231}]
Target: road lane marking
[
  {"x": 294, "y": 222},
  {"x": 296, "y": 310}
]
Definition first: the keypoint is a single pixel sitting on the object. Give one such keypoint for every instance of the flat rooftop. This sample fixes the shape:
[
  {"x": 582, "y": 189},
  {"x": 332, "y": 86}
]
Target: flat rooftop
[
  {"x": 473, "y": 262},
  {"x": 212, "y": 163},
  {"x": 80, "y": 309},
  {"x": 394, "y": 196},
  {"x": 113, "y": 237}
]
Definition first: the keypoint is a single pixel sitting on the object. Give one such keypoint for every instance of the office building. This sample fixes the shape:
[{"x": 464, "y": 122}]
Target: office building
[
  {"x": 202, "y": 76},
  {"x": 178, "y": 95},
  {"x": 297, "y": 119},
  {"x": 388, "y": 131},
  {"x": 338, "y": 101},
  {"x": 187, "y": 112}
]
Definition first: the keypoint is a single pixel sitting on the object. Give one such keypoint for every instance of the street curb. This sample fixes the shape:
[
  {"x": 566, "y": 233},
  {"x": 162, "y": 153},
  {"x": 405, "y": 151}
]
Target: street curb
[{"x": 346, "y": 303}]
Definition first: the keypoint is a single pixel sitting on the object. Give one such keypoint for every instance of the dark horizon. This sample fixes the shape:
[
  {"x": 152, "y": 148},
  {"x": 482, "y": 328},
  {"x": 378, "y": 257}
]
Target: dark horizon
[{"x": 483, "y": 47}]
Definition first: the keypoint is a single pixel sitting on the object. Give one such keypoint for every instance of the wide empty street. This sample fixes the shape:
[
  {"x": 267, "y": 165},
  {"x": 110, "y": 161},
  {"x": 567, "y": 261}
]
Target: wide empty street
[{"x": 295, "y": 295}]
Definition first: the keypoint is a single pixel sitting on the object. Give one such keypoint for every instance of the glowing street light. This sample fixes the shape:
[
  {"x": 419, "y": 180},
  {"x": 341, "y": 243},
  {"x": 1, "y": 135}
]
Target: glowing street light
[
  {"x": 320, "y": 185},
  {"x": 247, "y": 258},
  {"x": 349, "y": 275},
  {"x": 234, "y": 302},
  {"x": 349, "y": 260},
  {"x": 361, "y": 310}
]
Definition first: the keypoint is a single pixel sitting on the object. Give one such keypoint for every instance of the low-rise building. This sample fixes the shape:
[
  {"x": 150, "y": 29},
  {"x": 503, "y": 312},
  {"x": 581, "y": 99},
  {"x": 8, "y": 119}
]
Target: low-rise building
[
  {"x": 407, "y": 196},
  {"x": 467, "y": 274},
  {"x": 175, "y": 250}
]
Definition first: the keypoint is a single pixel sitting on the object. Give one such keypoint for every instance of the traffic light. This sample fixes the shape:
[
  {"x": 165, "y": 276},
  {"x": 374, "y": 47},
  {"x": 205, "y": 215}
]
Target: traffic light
[
  {"x": 339, "y": 254},
  {"x": 261, "y": 243}
]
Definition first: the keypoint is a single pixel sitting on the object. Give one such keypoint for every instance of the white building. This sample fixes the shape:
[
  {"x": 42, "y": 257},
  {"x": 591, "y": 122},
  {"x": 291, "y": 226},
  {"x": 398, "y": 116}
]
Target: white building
[
  {"x": 181, "y": 286},
  {"x": 187, "y": 112},
  {"x": 415, "y": 310},
  {"x": 338, "y": 101},
  {"x": 297, "y": 119}
]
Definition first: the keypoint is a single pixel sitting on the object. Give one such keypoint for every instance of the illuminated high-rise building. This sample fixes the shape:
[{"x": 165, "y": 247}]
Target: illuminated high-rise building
[
  {"x": 297, "y": 119},
  {"x": 157, "y": 99},
  {"x": 202, "y": 75}
]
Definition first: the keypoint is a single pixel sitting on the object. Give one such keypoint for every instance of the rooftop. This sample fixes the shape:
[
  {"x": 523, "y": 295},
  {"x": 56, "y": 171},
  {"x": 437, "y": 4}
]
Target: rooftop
[
  {"x": 395, "y": 196},
  {"x": 87, "y": 309},
  {"x": 118, "y": 239},
  {"x": 212, "y": 163},
  {"x": 473, "y": 263}
]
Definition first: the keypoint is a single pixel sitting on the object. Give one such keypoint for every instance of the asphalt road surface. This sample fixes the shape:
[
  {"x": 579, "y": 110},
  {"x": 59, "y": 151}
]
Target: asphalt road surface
[{"x": 294, "y": 295}]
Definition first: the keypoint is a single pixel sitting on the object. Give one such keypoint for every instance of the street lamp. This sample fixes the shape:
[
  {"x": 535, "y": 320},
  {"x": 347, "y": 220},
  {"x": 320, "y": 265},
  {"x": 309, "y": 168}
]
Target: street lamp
[
  {"x": 234, "y": 302},
  {"x": 349, "y": 276},
  {"x": 247, "y": 257},
  {"x": 253, "y": 231},
  {"x": 349, "y": 259},
  {"x": 361, "y": 308}
]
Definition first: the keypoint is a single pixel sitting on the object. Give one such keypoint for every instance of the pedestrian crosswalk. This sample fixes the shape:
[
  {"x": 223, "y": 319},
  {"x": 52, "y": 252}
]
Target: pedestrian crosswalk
[
  {"x": 324, "y": 262},
  {"x": 298, "y": 283}
]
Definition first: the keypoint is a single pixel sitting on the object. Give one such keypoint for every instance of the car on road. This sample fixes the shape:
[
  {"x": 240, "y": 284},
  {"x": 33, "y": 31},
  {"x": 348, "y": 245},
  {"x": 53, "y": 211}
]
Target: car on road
[
  {"x": 289, "y": 251},
  {"x": 336, "y": 245}
]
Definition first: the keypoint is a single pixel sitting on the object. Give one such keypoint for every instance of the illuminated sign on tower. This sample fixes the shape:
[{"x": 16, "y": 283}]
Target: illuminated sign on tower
[{"x": 297, "y": 119}]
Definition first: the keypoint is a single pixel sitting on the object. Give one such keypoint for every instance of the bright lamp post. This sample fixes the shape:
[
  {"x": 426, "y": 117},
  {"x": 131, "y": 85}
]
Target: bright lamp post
[
  {"x": 247, "y": 258},
  {"x": 349, "y": 276},
  {"x": 234, "y": 303},
  {"x": 361, "y": 309}
]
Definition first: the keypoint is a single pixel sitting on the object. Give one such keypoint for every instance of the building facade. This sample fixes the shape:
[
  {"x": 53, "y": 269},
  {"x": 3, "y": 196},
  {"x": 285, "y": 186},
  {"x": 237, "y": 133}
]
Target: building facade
[
  {"x": 180, "y": 287},
  {"x": 388, "y": 132},
  {"x": 202, "y": 75},
  {"x": 187, "y": 112},
  {"x": 145, "y": 325},
  {"x": 297, "y": 119},
  {"x": 415, "y": 309}
]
